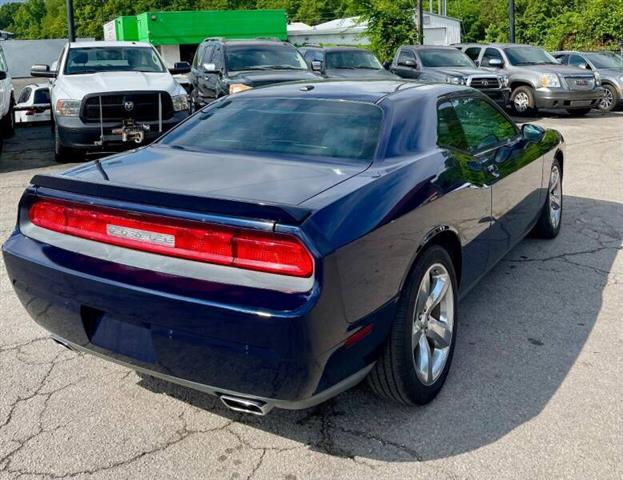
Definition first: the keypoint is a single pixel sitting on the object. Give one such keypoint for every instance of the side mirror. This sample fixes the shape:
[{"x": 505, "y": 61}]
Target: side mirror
[
  {"x": 3, "y": 75},
  {"x": 532, "y": 132},
  {"x": 496, "y": 63},
  {"x": 180, "y": 67},
  {"x": 408, "y": 63},
  {"x": 584, "y": 65},
  {"x": 210, "y": 68},
  {"x": 41, "y": 70},
  {"x": 316, "y": 65}
]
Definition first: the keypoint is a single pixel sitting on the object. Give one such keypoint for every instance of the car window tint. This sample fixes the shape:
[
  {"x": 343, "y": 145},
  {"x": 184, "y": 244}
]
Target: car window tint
[
  {"x": 473, "y": 52},
  {"x": 576, "y": 60},
  {"x": 483, "y": 124},
  {"x": 490, "y": 54},
  {"x": 449, "y": 130},
  {"x": 3, "y": 66},
  {"x": 562, "y": 58},
  {"x": 42, "y": 95},
  {"x": 198, "y": 55},
  {"x": 24, "y": 95},
  {"x": 295, "y": 126}
]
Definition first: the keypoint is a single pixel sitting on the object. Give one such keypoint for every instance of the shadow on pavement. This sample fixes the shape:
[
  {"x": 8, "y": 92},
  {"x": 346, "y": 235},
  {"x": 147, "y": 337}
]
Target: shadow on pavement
[{"x": 521, "y": 331}]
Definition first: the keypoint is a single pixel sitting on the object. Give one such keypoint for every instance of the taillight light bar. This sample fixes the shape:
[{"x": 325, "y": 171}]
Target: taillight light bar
[{"x": 217, "y": 244}]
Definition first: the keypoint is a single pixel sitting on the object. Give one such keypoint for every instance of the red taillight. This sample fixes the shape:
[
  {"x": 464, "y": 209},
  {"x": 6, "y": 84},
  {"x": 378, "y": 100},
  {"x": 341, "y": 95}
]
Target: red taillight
[{"x": 222, "y": 245}]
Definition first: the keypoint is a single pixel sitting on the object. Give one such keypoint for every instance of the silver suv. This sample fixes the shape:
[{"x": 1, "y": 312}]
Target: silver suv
[
  {"x": 7, "y": 102},
  {"x": 537, "y": 80},
  {"x": 607, "y": 65}
]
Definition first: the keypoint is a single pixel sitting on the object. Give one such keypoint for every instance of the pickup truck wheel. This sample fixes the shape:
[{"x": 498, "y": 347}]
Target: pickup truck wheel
[
  {"x": 522, "y": 100},
  {"x": 548, "y": 225},
  {"x": 609, "y": 100},
  {"x": 7, "y": 125},
  {"x": 578, "y": 112},
  {"x": 64, "y": 154},
  {"x": 416, "y": 359}
]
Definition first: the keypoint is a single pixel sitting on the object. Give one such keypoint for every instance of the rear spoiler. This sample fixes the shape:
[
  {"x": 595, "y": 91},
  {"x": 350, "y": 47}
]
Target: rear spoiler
[{"x": 286, "y": 214}]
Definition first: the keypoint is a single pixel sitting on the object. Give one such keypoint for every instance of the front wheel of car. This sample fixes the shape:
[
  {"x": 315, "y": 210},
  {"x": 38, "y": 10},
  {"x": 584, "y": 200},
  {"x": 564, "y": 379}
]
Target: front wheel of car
[
  {"x": 63, "y": 154},
  {"x": 609, "y": 100},
  {"x": 522, "y": 100},
  {"x": 416, "y": 358},
  {"x": 548, "y": 225}
]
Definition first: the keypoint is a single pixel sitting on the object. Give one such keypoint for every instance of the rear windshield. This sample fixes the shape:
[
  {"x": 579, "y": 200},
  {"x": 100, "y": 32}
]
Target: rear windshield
[
  {"x": 263, "y": 57},
  {"x": 352, "y": 59},
  {"x": 288, "y": 126},
  {"x": 112, "y": 59}
]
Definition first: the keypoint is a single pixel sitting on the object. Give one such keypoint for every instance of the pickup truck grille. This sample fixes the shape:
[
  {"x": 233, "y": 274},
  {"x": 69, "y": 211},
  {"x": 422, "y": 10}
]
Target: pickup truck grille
[
  {"x": 484, "y": 82},
  {"x": 140, "y": 106},
  {"x": 581, "y": 83}
]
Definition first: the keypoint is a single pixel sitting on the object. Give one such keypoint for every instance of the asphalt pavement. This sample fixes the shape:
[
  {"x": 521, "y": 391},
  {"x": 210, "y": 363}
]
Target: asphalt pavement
[{"x": 535, "y": 391}]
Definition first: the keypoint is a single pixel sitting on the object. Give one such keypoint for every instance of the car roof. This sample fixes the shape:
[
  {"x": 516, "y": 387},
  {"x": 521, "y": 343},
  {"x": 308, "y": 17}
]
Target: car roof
[
  {"x": 344, "y": 48},
  {"x": 368, "y": 91},
  {"x": 244, "y": 42},
  {"x": 104, "y": 43},
  {"x": 429, "y": 47}
]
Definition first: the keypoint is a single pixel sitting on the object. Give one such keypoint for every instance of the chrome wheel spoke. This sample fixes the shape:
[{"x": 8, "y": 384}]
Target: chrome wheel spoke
[
  {"x": 424, "y": 360},
  {"x": 439, "y": 332},
  {"x": 438, "y": 290}
]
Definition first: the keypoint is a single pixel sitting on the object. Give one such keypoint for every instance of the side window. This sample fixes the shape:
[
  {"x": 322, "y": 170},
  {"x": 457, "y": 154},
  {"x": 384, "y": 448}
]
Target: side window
[
  {"x": 483, "y": 125},
  {"x": 576, "y": 60},
  {"x": 562, "y": 58},
  {"x": 490, "y": 54},
  {"x": 24, "y": 95},
  {"x": 449, "y": 130},
  {"x": 42, "y": 95},
  {"x": 405, "y": 55},
  {"x": 3, "y": 66},
  {"x": 198, "y": 55},
  {"x": 473, "y": 53}
]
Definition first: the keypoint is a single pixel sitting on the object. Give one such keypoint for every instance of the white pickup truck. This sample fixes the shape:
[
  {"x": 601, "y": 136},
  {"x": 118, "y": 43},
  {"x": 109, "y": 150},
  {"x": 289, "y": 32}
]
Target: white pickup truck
[
  {"x": 109, "y": 95},
  {"x": 7, "y": 118}
]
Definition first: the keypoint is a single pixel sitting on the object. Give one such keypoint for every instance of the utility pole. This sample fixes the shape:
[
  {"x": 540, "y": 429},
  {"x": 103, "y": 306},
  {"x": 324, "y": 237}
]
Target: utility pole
[
  {"x": 511, "y": 21},
  {"x": 420, "y": 22},
  {"x": 71, "y": 28}
]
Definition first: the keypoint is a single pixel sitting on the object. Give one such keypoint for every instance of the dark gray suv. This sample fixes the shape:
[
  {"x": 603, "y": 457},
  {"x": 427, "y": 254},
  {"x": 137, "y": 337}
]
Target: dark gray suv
[
  {"x": 537, "y": 80},
  {"x": 608, "y": 66}
]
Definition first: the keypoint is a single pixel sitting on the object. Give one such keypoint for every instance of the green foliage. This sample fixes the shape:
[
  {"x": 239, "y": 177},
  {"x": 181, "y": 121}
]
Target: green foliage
[{"x": 554, "y": 24}]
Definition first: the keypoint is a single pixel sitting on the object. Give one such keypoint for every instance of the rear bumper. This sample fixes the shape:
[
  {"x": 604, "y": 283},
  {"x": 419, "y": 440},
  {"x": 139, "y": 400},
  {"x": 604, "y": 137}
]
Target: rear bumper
[
  {"x": 566, "y": 99},
  {"x": 285, "y": 350},
  {"x": 74, "y": 133}
]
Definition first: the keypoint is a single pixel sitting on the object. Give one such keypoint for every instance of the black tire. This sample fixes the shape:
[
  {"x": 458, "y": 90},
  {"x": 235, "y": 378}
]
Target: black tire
[
  {"x": 522, "y": 100},
  {"x": 578, "y": 112},
  {"x": 7, "y": 125},
  {"x": 610, "y": 99},
  {"x": 63, "y": 154},
  {"x": 394, "y": 375},
  {"x": 546, "y": 226}
]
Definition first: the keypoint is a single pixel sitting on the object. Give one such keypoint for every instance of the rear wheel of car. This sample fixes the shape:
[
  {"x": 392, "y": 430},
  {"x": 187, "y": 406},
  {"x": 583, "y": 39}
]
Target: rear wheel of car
[
  {"x": 64, "y": 154},
  {"x": 7, "y": 125},
  {"x": 578, "y": 112},
  {"x": 522, "y": 100},
  {"x": 548, "y": 225},
  {"x": 418, "y": 353},
  {"x": 609, "y": 100}
]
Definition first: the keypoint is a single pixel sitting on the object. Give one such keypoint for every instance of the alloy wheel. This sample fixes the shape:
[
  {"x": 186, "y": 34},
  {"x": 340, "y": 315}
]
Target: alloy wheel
[
  {"x": 521, "y": 102},
  {"x": 555, "y": 196},
  {"x": 433, "y": 324},
  {"x": 607, "y": 100}
]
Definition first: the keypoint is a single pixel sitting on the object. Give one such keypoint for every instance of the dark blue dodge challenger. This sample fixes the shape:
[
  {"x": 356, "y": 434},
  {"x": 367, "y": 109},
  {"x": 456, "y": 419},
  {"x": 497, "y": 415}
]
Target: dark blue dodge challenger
[{"x": 284, "y": 243}]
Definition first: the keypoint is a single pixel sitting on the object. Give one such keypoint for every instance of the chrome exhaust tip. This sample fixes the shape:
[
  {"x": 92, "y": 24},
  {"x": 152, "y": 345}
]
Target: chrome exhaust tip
[{"x": 246, "y": 405}]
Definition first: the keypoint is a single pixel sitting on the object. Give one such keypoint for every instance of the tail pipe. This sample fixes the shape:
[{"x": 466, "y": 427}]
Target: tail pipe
[{"x": 246, "y": 405}]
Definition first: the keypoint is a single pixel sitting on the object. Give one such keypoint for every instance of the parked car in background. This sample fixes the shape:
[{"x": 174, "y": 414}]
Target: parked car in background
[
  {"x": 285, "y": 242},
  {"x": 607, "y": 65},
  {"x": 345, "y": 62},
  {"x": 222, "y": 67},
  {"x": 33, "y": 104},
  {"x": 537, "y": 80},
  {"x": 7, "y": 100},
  {"x": 110, "y": 95},
  {"x": 447, "y": 64}
]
